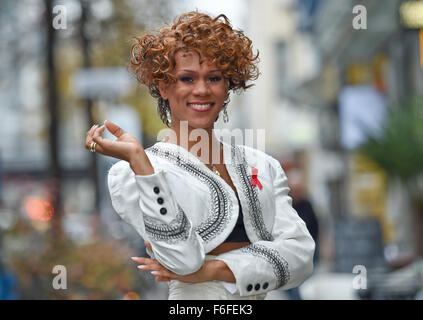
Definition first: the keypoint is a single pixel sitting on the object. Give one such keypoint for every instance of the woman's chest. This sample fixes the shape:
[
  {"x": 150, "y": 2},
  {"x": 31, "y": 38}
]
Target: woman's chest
[
  {"x": 210, "y": 200},
  {"x": 224, "y": 174}
]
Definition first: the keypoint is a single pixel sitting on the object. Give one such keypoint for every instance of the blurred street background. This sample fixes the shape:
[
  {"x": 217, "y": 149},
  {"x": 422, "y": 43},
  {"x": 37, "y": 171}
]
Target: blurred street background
[{"x": 340, "y": 96}]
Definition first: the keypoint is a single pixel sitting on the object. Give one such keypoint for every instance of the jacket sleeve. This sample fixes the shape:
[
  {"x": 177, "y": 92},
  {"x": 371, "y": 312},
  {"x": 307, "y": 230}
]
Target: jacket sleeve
[
  {"x": 284, "y": 262},
  {"x": 147, "y": 204}
]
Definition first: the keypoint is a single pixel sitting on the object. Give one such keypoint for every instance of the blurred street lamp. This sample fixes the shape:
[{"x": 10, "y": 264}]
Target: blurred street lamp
[
  {"x": 411, "y": 17},
  {"x": 38, "y": 208},
  {"x": 411, "y": 14}
]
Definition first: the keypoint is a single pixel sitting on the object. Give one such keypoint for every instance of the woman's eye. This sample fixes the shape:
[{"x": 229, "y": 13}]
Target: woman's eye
[
  {"x": 185, "y": 79},
  {"x": 215, "y": 79}
]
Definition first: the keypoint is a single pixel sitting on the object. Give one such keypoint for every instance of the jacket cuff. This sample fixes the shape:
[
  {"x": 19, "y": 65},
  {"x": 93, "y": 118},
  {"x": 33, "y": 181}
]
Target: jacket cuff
[
  {"x": 156, "y": 197},
  {"x": 267, "y": 270},
  {"x": 231, "y": 287}
]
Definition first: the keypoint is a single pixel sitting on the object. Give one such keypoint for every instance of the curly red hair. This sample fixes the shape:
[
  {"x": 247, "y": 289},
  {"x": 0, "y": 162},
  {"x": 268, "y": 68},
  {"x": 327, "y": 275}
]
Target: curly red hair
[{"x": 152, "y": 55}]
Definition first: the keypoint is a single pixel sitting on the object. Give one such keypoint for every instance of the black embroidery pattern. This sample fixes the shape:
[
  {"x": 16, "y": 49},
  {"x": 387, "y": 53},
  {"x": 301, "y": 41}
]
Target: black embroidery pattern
[
  {"x": 250, "y": 192},
  {"x": 279, "y": 264},
  {"x": 173, "y": 232},
  {"x": 217, "y": 220}
]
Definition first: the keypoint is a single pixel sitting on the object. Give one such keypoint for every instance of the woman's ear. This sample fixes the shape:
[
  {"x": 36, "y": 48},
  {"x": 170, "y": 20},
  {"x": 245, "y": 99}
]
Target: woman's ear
[{"x": 163, "y": 88}]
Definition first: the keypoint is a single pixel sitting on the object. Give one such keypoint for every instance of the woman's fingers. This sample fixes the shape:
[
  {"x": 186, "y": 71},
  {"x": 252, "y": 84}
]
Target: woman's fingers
[
  {"x": 142, "y": 260},
  {"x": 92, "y": 130},
  {"x": 148, "y": 245},
  {"x": 137, "y": 259},
  {"x": 156, "y": 269},
  {"x": 111, "y": 148},
  {"x": 89, "y": 131},
  {"x": 122, "y": 148},
  {"x": 162, "y": 279},
  {"x": 163, "y": 275},
  {"x": 114, "y": 129},
  {"x": 104, "y": 146},
  {"x": 117, "y": 149},
  {"x": 98, "y": 131},
  {"x": 147, "y": 264},
  {"x": 89, "y": 137},
  {"x": 94, "y": 136}
]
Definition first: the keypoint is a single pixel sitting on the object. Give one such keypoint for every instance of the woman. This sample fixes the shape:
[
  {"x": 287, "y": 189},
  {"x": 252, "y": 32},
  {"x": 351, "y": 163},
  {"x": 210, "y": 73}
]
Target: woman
[{"x": 217, "y": 225}]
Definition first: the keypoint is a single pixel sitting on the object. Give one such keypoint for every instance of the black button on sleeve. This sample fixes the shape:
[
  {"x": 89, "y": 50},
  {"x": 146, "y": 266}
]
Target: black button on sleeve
[
  {"x": 257, "y": 287},
  {"x": 160, "y": 200},
  {"x": 249, "y": 287},
  {"x": 265, "y": 285},
  {"x": 156, "y": 190},
  {"x": 163, "y": 211}
]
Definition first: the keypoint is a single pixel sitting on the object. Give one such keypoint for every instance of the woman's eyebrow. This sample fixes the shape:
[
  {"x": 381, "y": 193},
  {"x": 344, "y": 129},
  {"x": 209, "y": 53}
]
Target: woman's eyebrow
[{"x": 192, "y": 71}]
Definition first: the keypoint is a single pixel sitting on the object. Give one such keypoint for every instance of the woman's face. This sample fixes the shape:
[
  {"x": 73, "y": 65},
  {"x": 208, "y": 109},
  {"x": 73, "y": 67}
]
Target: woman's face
[{"x": 199, "y": 92}]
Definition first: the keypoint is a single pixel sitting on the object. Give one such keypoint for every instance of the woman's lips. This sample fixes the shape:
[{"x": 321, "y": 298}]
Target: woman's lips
[{"x": 200, "y": 106}]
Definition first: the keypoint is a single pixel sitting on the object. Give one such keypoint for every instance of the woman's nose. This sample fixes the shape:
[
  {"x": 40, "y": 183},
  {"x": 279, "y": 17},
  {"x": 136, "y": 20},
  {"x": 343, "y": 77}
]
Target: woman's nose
[{"x": 201, "y": 88}]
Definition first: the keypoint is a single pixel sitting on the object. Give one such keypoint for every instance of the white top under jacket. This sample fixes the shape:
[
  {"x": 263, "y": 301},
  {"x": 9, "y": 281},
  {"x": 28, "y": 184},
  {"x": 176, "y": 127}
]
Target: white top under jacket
[{"x": 185, "y": 210}]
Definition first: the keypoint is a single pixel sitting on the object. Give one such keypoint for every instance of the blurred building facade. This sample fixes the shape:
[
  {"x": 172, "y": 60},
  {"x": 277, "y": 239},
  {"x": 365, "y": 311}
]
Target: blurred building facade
[
  {"x": 287, "y": 60},
  {"x": 323, "y": 83},
  {"x": 378, "y": 66}
]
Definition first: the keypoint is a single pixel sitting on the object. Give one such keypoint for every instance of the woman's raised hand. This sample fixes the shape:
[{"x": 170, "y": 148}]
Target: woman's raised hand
[{"x": 125, "y": 147}]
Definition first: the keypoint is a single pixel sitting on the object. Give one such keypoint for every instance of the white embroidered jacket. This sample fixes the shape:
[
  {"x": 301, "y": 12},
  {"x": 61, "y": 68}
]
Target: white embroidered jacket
[{"x": 185, "y": 210}]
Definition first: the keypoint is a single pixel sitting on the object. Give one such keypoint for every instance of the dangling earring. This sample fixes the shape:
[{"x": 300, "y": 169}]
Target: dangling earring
[
  {"x": 167, "y": 108},
  {"x": 225, "y": 115},
  {"x": 225, "y": 112},
  {"x": 169, "y": 118}
]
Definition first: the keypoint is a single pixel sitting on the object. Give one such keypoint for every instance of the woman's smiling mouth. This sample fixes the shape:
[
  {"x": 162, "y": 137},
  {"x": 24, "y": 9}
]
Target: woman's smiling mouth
[{"x": 200, "y": 106}]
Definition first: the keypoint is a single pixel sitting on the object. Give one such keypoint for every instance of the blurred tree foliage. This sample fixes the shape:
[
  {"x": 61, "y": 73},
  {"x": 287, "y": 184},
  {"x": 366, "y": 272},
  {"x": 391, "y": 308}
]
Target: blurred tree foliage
[
  {"x": 99, "y": 269},
  {"x": 110, "y": 39},
  {"x": 111, "y": 47},
  {"x": 398, "y": 150}
]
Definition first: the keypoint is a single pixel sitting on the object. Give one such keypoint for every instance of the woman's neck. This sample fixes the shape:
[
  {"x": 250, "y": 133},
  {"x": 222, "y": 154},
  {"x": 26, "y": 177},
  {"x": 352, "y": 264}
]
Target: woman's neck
[{"x": 200, "y": 142}]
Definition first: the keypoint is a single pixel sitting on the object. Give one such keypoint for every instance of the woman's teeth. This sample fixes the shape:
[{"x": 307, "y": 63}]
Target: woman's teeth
[{"x": 200, "y": 107}]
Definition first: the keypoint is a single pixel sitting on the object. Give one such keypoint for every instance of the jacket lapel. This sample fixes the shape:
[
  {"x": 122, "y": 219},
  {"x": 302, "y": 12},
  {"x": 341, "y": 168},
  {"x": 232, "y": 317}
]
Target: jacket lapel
[{"x": 241, "y": 173}]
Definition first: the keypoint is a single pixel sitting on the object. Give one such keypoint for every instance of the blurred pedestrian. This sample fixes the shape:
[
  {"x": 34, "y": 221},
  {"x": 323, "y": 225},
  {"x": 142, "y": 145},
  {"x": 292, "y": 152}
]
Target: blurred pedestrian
[
  {"x": 219, "y": 224},
  {"x": 304, "y": 208}
]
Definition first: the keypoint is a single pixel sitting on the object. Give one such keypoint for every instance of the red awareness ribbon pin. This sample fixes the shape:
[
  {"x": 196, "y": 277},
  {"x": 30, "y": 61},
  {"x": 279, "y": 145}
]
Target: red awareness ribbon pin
[{"x": 254, "y": 180}]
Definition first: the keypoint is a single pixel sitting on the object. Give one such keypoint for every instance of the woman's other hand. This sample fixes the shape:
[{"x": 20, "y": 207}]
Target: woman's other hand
[
  {"x": 125, "y": 147},
  {"x": 211, "y": 270}
]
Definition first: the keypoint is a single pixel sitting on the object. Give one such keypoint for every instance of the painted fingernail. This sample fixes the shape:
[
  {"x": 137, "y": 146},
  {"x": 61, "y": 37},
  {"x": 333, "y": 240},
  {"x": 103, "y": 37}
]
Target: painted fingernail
[
  {"x": 134, "y": 258},
  {"x": 141, "y": 266},
  {"x": 154, "y": 273}
]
